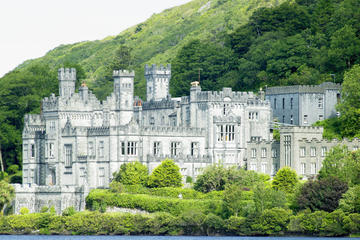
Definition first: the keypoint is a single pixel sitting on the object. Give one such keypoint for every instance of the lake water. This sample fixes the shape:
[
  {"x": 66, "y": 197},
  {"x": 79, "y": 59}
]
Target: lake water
[{"x": 35, "y": 237}]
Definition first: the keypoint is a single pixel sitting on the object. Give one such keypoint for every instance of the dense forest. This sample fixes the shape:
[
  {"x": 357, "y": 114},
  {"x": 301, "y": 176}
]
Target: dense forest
[{"x": 232, "y": 43}]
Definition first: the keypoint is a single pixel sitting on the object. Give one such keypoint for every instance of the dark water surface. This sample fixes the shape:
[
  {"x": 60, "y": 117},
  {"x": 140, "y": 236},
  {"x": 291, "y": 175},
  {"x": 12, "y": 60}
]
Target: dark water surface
[{"x": 35, "y": 237}]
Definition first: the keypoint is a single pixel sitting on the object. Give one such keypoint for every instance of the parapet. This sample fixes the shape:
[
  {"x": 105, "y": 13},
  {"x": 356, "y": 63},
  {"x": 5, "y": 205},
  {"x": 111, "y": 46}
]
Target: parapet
[
  {"x": 123, "y": 73},
  {"x": 154, "y": 69},
  {"x": 33, "y": 119},
  {"x": 67, "y": 74},
  {"x": 302, "y": 129},
  {"x": 163, "y": 104},
  {"x": 304, "y": 88}
]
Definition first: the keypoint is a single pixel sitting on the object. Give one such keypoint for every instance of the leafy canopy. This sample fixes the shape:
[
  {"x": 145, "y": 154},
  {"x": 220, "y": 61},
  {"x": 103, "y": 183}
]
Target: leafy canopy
[
  {"x": 343, "y": 164},
  {"x": 132, "y": 173},
  {"x": 285, "y": 180},
  {"x": 323, "y": 194},
  {"x": 7, "y": 193},
  {"x": 167, "y": 174}
]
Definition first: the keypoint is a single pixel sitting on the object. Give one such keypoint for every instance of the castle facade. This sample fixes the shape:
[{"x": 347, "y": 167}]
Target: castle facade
[
  {"x": 303, "y": 105},
  {"x": 78, "y": 142}
]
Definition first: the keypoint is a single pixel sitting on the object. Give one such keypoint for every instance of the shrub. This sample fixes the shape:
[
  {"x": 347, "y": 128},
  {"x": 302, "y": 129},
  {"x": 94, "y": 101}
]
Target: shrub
[
  {"x": 70, "y": 211},
  {"x": 272, "y": 221},
  {"x": 323, "y": 194},
  {"x": 132, "y": 173},
  {"x": 350, "y": 201},
  {"x": 98, "y": 199},
  {"x": 24, "y": 211},
  {"x": 167, "y": 174},
  {"x": 352, "y": 223},
  {"x": 285, "y": 180}
]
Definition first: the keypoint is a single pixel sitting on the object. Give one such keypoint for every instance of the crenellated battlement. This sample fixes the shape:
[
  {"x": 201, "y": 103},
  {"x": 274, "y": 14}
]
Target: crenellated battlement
[
  {"x": 226, "y": 93},
  {"x": 123, "y": 73},
  {"x": 67, "y": 74},
  {"x": 33, "y": 119},
  {"x": 304, "y": 88},
  {"x": 173, "y": 131},
  {"x": 302, "y": 129},
  {"x": 334, "y": 141},
  {"x": 163, "y": 104},
  {"x": 158, "y": 70}
]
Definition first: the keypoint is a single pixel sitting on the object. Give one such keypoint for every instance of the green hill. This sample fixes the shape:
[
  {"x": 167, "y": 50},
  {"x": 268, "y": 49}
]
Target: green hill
[{"x": 157, "y": 39}]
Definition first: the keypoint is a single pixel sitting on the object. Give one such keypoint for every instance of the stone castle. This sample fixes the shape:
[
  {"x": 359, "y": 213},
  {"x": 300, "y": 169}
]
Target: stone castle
[{"x": 78, "y": 142}]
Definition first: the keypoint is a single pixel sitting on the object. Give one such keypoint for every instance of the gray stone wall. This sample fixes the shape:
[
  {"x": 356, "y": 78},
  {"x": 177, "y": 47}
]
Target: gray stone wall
[
  {"x": 303, "y": 105},
  {"x": 301, "y": 148}
]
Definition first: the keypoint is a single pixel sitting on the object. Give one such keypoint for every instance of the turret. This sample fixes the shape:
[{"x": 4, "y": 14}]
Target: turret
[
  {"x": 67, "y": 79},
  {"x": 84, "y": 92},
  {"x": 157, "y": 82},
  {"x": 124, "y": 91}
]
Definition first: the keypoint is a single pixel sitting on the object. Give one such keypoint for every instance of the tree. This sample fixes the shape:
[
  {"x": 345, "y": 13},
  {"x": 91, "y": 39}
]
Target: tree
[
  {"x": 344, "y": 48},
  {"x": 285, "y": 180},
  {"x": 349, "y": 107},
  {"x": 350, "y": 201},
  {"x": 213, "y": 178},
  {"x": 122, "y": 59},
  {"x": 272, "y": 221},
  {"x": 132, "y": 173},
  {"x": 233, "y": 199},
  {"x": 343, "y": 164},
  {"x": 267, "y": 198},
  {"x": 167, "y": 174},
  {"x": 216, "y": 176},
  {"x": 323, "y": 194},
  {"x": 7, "y": 193},
  {"x": 213, "y": 60}
]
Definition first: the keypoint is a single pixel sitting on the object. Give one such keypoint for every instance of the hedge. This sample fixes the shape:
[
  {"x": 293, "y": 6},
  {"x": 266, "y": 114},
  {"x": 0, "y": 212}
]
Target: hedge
[
  {"x": 186, "y": 193},
  {"x": 99, "y": 199}
]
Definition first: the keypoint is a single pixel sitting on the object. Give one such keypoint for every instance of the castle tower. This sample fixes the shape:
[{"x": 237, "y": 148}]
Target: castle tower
[
  {"x": 67, "y": 79},
  {"x": 84, "y": 92},
  {"x": 157, "y": 82},
  {"x": 124, "y": 91}
]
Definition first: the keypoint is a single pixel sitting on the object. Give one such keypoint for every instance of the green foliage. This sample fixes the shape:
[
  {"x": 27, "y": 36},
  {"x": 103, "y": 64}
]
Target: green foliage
[
  {"x": 319, "y": 223},
  {"x": 350, "y": 202},
  {"x": 268, "y": 198},
  {"x": 343, "y": 164},
  {"x": 189, "y": 179},
  {"x": 213, "y": 62},
  {"x": 98, "y": 199},
  {"x": 349, "y": 107},
  {"x": 13, "y": 169},
  {"x": 116, "y": 187},
  {"x": 272, "y": 221},
  {"x": 7, "y": 193},
  {"x": 167, "y": 174},
  {"x": 285, "y": 180},
  {"x": 24, "y": 211},
  {"x": 132, "y": 173},
  {"x": 69, "y": 211},
  {"x": 323, "y": 194},
  {"x": 352, "y": 222},
  {"x": 216, "y": 176}
]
